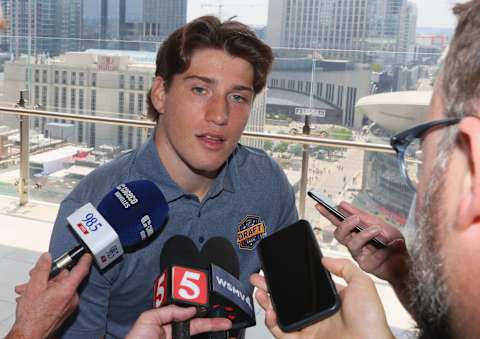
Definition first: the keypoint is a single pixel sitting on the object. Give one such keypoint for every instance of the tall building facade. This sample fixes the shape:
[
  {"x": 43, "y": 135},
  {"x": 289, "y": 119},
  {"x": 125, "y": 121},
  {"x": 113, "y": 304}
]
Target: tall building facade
[
  {"x": 131, "y": 24},
  {"x": 42, "y": 27},
  {"x": 68, "y": 24},
  {"x": 407, "y": 33},
  {"x": 31, "y": 26},
  {"x": 345, "y": 29}
]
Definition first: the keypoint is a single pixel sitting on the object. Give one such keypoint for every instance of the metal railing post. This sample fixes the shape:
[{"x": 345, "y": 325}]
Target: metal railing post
[
  {"x": 304, "y": 177},
  {"x": 24, "y": 154}
]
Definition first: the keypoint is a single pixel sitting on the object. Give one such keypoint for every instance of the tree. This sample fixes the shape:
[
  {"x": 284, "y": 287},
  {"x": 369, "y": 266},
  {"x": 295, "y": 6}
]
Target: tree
[
  {"x": 268, "y": 145},
  {"x": 281, "y": 147},
  {"x": 296, "y": 149}
]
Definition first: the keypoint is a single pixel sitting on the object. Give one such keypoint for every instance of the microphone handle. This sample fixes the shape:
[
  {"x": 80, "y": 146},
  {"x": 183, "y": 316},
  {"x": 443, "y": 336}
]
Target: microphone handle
[
  {"x": 217, "y": 313},
  {"x": 181, "y": 329},
  {"x": 218, "y": 335},
  {"x": 67, "y": 260}
]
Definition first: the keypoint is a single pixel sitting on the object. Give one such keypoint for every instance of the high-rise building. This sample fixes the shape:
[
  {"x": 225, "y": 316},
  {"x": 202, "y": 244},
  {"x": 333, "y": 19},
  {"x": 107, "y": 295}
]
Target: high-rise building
[
  {"x": 68, "y": 24},
  {"x": 407, "y": 33},
  {"x": 344, "y": 29},
  {"x": 42, "y": 27},
  {"x": 131, "y": 24},
  {"x": 31, "y": 26}
]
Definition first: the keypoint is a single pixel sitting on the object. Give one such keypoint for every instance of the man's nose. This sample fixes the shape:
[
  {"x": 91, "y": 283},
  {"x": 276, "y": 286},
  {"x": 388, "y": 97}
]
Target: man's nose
[{"x": 217, "y": 111}]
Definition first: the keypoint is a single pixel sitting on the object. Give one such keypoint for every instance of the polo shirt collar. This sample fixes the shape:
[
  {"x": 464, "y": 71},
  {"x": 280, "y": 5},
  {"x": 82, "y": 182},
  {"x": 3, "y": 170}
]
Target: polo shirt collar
[{"x": 148, "y": 163}]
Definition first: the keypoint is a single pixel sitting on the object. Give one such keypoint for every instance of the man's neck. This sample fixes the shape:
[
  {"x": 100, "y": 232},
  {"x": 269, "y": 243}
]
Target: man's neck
[{"x": 190, "y": 181}]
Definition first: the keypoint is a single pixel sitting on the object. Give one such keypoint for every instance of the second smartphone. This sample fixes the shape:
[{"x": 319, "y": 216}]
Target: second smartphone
[
  {"x": 302, "y": 291},
  {"x": 329, "y": 206}
]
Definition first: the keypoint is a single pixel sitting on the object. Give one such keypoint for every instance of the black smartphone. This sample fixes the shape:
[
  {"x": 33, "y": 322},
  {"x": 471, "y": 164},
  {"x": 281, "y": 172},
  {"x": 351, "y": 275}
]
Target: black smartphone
[
  {"x": 330, "y": 206},
  {"x": 302, "y": 291}
]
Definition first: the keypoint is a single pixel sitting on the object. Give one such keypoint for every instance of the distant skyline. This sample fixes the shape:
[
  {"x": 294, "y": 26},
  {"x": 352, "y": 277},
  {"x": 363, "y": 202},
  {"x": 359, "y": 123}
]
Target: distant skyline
[{"x": 431, "y": 13}]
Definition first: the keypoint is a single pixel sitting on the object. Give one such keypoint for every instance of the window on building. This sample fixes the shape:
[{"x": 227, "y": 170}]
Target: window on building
[
  {"x": 44, "y": 76},
  {"x": 36, "y": 95},
  {"x": 121, "y": 81},
  {"x": 93, "y": 103},
  {"x": 81, "y": 79},
  {"x": 132, "y": 82},
  {"x": 81, "y": 96},
  {"x": 94, "y": 79},
  {"x": 56, "y": 98},
  {"x": 131, "y": 111},
  {"x": 64, "y": 98},
  {"x": 73, "y": 80},
  {"x": 140, "y": 100},
  {"x": 37, "y": 75},
  {"x": 141, "y": 84},
  {"x": 44, "y": 97},
  {"x": 64, "y": 77},
  {"x": 121, "y": 102},
  {"x": 93, "y": 128},
  {"x": 73, "y": 99},
  {"x": 56, "y": 77}
]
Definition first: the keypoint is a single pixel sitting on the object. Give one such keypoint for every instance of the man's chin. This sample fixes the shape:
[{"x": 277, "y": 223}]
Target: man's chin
[{"x": 208, "y": 170}]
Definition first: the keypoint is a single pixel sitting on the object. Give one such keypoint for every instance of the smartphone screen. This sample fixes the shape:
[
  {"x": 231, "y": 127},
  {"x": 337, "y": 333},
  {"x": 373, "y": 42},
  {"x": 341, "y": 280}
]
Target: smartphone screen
[{"x": 302, "y": 291}]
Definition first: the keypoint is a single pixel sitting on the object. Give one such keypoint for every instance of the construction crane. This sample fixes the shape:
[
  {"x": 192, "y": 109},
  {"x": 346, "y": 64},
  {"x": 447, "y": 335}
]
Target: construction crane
[{"x": 220, "y": 5}]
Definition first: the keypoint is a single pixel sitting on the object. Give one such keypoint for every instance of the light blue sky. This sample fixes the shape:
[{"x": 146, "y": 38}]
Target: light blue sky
[{"x": 431, "y": 13}]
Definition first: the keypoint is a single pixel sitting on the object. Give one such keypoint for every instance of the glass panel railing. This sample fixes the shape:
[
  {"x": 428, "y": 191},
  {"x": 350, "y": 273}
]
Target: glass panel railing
[{"x": 369, "y": 180}]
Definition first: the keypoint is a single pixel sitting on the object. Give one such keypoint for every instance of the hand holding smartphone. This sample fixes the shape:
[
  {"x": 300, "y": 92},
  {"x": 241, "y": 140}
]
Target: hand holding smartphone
[
  {"x": 330, "y": 206},
  {"x": 301, "y": 290}
]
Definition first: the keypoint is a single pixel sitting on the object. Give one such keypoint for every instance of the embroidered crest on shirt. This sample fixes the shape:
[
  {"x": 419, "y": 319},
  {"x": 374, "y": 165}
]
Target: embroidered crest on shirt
[{"x": 250, "y": 231}]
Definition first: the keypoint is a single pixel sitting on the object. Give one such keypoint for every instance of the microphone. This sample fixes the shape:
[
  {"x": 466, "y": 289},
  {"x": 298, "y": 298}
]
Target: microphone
[
  {"x": 230, "y": 298},
  {"x": 126, "y": 217},
  {"x": 181, "y": 281}
]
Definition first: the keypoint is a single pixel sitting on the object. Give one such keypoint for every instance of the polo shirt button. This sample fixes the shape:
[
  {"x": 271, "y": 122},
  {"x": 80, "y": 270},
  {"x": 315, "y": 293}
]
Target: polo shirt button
[{"x": 201, "y": 239}]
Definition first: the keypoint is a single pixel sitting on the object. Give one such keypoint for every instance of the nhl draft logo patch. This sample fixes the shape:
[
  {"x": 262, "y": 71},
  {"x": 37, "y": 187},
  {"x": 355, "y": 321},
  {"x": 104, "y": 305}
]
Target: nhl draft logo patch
[{"x": 250, "y": 231}]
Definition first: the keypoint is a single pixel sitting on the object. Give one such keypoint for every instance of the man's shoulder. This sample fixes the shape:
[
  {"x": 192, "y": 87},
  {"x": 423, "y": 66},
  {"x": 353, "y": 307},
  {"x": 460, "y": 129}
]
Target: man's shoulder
[{"x": 254, "y": 166}]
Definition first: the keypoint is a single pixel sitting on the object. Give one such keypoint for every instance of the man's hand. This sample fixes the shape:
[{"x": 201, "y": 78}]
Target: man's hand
[
  {"x": 360, "y": 316},
  {"x": 155, "y": 324},
  {"x": 390, "y": 263},
  {"x": 44, "y": 304}
]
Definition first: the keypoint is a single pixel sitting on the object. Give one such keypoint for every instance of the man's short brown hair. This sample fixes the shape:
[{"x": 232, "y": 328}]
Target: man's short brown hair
[
  {"x": 233, "y": 37},
  {"x": 461, "y": 71}
]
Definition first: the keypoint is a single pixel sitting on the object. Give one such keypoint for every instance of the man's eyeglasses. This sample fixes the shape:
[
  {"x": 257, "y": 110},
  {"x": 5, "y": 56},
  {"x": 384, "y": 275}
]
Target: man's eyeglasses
[{"x": 407, "y": 145}]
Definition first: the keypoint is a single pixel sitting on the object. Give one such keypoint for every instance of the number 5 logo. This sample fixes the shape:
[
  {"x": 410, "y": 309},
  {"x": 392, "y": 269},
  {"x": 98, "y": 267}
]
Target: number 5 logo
[
  {"x": 160, "y": 291},
  {"x": 190, "y": 285}
]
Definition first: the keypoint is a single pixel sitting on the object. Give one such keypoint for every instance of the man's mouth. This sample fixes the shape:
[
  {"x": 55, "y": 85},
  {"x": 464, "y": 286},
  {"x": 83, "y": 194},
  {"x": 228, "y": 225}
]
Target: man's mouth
[{"x": 212, "y": 140}]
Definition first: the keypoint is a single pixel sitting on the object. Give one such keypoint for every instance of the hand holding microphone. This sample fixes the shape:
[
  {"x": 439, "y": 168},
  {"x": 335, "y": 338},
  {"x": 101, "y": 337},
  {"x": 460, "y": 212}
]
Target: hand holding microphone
[
  {"x": 126, "y": 218},
  {"x": 181, "y": 282},
  {"x": 43, "y": 304},
  {"x": 155, "y": 324}
]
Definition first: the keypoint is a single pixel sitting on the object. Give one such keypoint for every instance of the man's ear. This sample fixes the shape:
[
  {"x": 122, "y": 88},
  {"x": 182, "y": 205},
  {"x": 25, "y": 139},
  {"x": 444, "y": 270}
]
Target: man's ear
[
  {"x": 157, "y": 94},
  {"x": 469, "y": 208}
]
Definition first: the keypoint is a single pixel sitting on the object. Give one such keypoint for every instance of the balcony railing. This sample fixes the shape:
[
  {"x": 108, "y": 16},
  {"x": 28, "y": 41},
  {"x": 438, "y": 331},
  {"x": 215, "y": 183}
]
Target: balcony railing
[{"x": 25, "y": 115}]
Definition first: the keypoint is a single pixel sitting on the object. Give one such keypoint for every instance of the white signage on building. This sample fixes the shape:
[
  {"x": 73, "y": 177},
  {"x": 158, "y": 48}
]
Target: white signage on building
[
  {"x": 107, "y": 63},
  {"x": 310, "y": 111}
]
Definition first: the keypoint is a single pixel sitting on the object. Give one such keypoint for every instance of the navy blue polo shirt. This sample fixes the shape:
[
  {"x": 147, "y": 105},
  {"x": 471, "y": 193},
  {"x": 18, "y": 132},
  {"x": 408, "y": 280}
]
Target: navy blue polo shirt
[{"x": 250, "y": 185}]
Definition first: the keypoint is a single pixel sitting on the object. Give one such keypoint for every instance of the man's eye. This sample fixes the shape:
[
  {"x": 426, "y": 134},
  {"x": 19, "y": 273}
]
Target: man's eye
[
  {"x": 238, "y": 98},
  {"x": 199, "y": 90}
]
